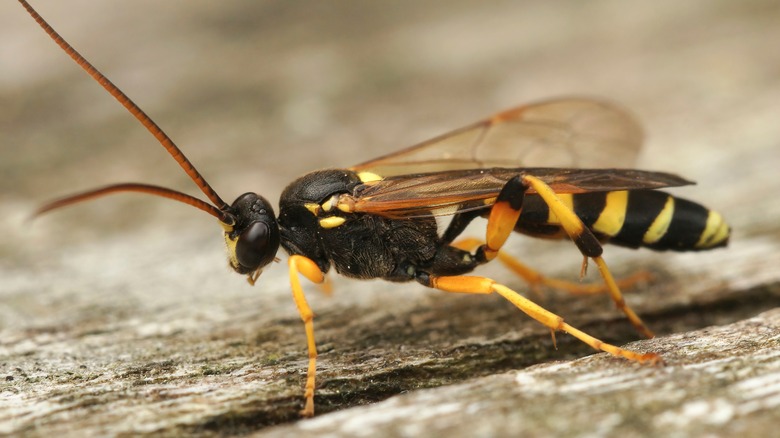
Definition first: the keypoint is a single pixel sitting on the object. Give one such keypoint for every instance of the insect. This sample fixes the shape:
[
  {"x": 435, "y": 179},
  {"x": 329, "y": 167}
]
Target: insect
[{"x": 378, "y": 219}]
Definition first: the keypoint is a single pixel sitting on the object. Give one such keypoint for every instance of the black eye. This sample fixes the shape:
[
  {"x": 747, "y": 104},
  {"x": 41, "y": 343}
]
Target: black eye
[{"x": 256, "y": 246}]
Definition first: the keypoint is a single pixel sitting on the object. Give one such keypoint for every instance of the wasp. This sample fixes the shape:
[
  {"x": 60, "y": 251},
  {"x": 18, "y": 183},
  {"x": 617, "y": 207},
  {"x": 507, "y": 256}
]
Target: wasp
[{"x": 379, "y": 219}]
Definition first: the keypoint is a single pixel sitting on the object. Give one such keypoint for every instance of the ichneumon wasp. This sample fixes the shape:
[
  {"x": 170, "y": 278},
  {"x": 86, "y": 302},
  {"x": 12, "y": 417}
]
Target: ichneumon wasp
[{"x": 378, "y": 219}]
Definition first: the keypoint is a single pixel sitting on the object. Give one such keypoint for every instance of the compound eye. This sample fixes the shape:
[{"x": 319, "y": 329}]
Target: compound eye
[{"x": 256, "y": 246}]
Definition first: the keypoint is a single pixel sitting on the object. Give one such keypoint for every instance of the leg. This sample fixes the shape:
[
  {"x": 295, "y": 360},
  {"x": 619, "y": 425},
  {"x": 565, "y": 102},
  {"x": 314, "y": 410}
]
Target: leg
[
  {"x": 503, "y": 217},
  {"x": 482, "y": 285},
  {"x": 306, "y": 267},
  {"x": 588, "y": 244},
  {"x": 536, "y": 279}
]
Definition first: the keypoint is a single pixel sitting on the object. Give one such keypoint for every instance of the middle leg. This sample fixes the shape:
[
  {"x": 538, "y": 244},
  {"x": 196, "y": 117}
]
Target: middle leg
[{"x": 536, "y": 279}]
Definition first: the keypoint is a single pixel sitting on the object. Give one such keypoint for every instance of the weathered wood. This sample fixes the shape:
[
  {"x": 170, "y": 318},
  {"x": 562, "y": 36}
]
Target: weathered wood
[
  {"x": 121, "y": 318},
  {"x": 719, "y": 381}
]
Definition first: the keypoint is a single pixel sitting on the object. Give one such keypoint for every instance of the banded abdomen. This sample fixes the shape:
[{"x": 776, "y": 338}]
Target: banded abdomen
[{"x": 646, "y": 218}]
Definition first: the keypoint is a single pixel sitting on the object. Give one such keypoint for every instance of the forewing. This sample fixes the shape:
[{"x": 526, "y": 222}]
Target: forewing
[
  {"x": 573, "y": 132},
  {"x": 450, "y": 192}
]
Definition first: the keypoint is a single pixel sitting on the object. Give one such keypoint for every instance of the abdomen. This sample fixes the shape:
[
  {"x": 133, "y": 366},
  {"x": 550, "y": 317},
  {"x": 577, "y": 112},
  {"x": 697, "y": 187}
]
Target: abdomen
[{"x": 646, "y": 218}]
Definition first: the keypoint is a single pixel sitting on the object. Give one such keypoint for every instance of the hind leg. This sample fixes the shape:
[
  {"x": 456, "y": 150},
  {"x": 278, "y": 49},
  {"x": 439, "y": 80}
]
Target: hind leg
[
  {"x": 503, "y": 217},
  {"x": 482, "y": 285},
  {"x": 588, "y": 245}
]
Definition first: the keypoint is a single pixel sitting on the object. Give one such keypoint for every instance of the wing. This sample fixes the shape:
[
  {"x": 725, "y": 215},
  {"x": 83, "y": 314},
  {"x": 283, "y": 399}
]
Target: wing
[
  {"x": 451, "y": 192},
  {"x": 572, "y": 132}
]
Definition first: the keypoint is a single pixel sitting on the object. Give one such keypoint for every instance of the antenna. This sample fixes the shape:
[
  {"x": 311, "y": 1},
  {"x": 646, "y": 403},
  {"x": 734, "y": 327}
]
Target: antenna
[
  {"x": 140, "y": 188},
  {"x": 149, "y": 124}
]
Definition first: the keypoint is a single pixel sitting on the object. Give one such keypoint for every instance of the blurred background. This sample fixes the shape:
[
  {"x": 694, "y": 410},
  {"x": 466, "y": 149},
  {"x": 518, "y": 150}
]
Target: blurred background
[{"x": 258, "y": 93}]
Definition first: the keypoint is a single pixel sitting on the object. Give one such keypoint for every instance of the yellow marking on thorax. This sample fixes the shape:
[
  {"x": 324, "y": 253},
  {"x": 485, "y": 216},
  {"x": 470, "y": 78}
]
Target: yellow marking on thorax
[
  {"x": 327, "y": 205},
  {"x": 660, "y": 223},
  {"x": 369, "y": 177},
  {"x": 613, "y": 216},
  {"x": 331, "y": 221},
  {"x": 568, "y": 200},
  {"x": 312, "y": 207},
  {"x": 716, "y": 231},
  {"x": 346, "y": 203}
]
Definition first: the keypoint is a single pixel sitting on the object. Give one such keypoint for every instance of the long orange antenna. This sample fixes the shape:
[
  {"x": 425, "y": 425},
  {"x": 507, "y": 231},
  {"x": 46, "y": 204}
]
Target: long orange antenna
[
  {"x": 139, "y": 188},
  {"x": 134, "y": 109}
]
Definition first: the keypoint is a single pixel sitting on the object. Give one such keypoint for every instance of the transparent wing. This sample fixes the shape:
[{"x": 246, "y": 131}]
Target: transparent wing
[{"x": 571, "y": 132}]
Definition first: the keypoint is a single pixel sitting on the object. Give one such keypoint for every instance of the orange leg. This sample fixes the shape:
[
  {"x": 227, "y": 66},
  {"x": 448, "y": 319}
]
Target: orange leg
[
  {"x": 503, "y": 217},
  {"x": 307, "y": 268},
  {"x": 482, "y": 285},
  {"x": 588, "y": 245},
  {"x": 536, "y": 279}
]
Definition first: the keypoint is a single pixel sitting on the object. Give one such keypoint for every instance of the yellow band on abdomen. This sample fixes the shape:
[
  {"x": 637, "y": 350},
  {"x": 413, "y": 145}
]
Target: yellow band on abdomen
[
  {"x": 613, "y": 216},
  {"x": 660, "y": 224}
]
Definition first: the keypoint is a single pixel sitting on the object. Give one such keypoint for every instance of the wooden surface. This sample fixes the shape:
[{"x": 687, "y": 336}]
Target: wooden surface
[{"x": 121, "y": 317}]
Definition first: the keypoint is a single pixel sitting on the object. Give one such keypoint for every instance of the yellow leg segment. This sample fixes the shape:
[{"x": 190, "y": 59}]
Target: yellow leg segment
[
  {"x": 501, "y": 222},
  {"x": 588, "y": 244},
  {"x": 617, "y": 297},
  {"x": 307, "y": 268},
  {"x": 536, "y": 279},
  {"x": 482, "y": 285}
]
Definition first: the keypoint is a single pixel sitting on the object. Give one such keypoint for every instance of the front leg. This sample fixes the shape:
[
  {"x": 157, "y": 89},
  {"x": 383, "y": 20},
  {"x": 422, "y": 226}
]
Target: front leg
[{"x": 305, "y": 266}]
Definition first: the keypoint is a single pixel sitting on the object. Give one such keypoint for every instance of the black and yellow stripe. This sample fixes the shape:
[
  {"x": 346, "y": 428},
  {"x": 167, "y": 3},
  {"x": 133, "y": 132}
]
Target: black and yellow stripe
[{"x": 637, "y": 218}]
